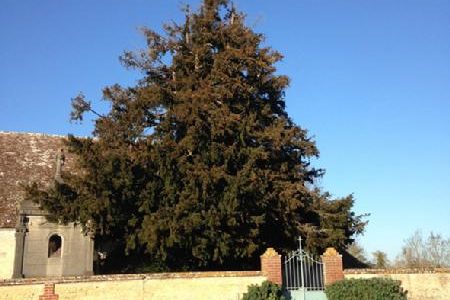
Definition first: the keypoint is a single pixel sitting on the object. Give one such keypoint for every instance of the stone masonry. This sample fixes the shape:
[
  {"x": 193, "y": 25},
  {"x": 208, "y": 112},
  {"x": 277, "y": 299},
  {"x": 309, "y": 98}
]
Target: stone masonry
[{"x": 27, "y": 158}]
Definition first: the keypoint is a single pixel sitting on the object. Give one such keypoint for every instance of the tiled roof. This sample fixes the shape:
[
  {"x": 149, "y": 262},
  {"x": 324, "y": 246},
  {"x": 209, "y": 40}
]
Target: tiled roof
[{"x": 25, "y": 158}]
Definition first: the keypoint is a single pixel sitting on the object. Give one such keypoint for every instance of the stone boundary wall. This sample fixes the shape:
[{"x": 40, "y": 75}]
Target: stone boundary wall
[
  {"x": 176, "y": 286},
  {"x": 124, "y": 277},
  {"x": 228, "y": 285},
  {"x": 397, "y": 271},
  {"x": 7, "y": 251},
  {"x": 421, "y": 284}
]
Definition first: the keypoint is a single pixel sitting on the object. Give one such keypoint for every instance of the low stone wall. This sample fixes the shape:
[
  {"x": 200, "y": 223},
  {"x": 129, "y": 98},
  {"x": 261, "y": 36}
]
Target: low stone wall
[
  {"x": 7, "y": 251},
  {"x": 174, "y": 286},
  {"x": 421, "y": 284}
]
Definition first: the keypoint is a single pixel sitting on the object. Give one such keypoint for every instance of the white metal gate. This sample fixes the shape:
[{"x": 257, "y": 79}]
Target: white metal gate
[{"x": 303, "y": 275}]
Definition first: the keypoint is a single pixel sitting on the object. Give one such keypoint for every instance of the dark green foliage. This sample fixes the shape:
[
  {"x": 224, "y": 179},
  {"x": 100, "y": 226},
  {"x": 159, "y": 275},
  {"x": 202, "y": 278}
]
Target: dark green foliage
[
  {"x": 265, "y": 291},
  {"x": 198, "y": 166},
  {"x": 366, "y": 289}
]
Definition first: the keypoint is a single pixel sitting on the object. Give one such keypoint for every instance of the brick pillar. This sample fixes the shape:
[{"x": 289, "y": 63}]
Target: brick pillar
[
  {"x": 271, "y": 265},
  {"x": 333, "y": 269},
  {"x": 49, "y": 292}
]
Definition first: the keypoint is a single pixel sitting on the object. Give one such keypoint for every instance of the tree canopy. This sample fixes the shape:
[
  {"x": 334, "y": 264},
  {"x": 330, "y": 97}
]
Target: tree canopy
[{"x": 199, "y": 165}]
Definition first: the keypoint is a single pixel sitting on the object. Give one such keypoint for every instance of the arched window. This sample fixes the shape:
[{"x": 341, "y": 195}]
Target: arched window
[{"x": 54, "y": 246}]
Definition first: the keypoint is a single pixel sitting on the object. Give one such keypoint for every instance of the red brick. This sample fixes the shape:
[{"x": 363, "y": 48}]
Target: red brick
[
  {"x": 49, "y": 292},
  {"x": 333, "y": 268},
  {"x": 271, "y": 266}
]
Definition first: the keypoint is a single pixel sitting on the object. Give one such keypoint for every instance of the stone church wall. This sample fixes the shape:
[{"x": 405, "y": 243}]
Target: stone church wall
[
  {"x": 27, "y": 158},
  {"x": 75, "y": 255},
  {"x": 7, "y": 251}
]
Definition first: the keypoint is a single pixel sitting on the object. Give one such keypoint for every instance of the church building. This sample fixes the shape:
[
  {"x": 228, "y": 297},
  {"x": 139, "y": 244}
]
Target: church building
[{"x": 31, "y": 246}]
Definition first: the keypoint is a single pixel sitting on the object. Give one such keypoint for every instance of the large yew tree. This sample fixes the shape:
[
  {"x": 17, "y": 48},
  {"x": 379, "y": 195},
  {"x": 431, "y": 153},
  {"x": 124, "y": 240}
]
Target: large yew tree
[{"x": 199, "y": 166}]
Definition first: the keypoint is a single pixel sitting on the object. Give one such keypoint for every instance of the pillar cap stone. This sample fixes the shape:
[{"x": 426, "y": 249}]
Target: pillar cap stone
[
  {"x": 270, "y": 252},
  {"x": 330, "y": 251}
]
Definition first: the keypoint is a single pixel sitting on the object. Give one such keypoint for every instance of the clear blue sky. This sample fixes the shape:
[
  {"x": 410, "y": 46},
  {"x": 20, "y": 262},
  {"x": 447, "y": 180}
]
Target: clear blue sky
[{"x": 370, "y": 80}]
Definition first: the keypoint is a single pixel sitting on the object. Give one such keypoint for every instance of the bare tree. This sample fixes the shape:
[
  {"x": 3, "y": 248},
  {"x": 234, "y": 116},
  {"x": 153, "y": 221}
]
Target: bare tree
[
  {"x": 438, "y": 250},
  {"x": 418, "y": 252},
  {"x": 380, "y": 259}
]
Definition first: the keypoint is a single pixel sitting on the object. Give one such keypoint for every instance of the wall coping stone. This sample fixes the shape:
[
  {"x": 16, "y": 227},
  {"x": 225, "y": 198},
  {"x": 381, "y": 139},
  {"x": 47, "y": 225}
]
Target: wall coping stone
[
  {"x": 330, "y": 251},
  {"x": 123, "y": 277},
  {"x": 398, "y": 271},
  {"x": 270, "y": 252}
]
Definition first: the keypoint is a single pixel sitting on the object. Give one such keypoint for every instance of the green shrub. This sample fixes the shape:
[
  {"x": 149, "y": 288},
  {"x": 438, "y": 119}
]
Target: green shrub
[
  {"x": 366, "y": 289},
  {"x": 266, "y": 291}
]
